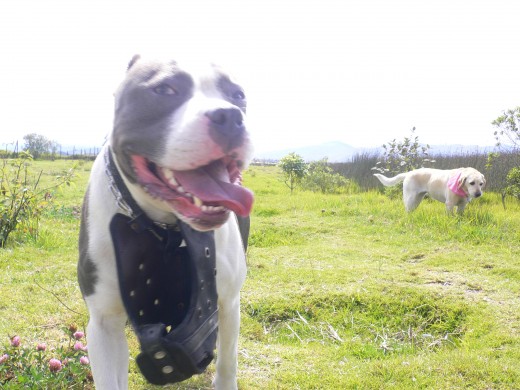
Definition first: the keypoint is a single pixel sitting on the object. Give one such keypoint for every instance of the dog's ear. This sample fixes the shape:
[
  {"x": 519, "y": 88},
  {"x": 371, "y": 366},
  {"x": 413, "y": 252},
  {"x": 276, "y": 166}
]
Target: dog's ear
[
  {"x": 462, "y": 178},
  {"x": 484, "y": 180},
  {"x": 134, "y": 59}
]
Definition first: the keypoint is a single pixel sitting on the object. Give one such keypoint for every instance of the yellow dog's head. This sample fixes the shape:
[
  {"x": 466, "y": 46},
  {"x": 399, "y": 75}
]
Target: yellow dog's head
[{"x": 471, "y": 182}]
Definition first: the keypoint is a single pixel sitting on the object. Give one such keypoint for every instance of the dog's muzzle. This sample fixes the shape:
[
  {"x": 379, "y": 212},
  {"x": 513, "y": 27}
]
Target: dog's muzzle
[{"x": 169, "y": 292}]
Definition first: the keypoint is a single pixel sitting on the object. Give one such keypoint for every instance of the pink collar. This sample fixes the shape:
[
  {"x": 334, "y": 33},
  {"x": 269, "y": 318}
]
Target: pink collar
[{"x": 453, "y": 185}]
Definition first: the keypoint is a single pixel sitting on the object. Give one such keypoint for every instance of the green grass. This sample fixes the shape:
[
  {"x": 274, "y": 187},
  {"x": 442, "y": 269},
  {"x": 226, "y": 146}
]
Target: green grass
[{"x": 343, "y": 291}]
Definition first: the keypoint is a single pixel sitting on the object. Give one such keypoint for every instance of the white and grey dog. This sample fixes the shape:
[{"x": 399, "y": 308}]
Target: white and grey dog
[
  {"x": 454, "y": 187},
  {"x": 179, "y": 142}
]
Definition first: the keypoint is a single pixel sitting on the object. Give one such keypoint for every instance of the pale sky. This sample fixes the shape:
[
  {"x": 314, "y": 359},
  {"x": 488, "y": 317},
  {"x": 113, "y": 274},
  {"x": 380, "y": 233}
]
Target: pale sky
[{"x": 361, "y": 72}]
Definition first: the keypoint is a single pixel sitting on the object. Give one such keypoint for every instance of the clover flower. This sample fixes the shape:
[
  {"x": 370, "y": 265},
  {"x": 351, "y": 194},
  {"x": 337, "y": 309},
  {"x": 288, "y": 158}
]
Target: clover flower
[
  {"x": 80, "y": 347},
  {"x": 41, "y": 347},
  {"x": 3, "y": 358},
  {"x": 84, "y": 360},
  {"x": 78, "y": 335},
  {"x": 15, "y": 341},
  {"x": 54, "y": 365}
]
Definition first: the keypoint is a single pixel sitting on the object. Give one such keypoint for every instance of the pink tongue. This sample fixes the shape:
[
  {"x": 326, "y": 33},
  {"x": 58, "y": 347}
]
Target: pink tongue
[{"x": 211, "y": 185}]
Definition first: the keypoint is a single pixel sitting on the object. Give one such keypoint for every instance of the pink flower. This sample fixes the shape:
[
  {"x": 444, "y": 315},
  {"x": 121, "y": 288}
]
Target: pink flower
[
  {"x": 78, "y": 335},
  {"x": 84, "y": 360},
  {"x": 78, "y": 346},
  {"x": 41, "y": 347},
  {"x": 54, "y": 365},
  {"x": 15, "y": 341},
  {"x": 3, "y": 358}
]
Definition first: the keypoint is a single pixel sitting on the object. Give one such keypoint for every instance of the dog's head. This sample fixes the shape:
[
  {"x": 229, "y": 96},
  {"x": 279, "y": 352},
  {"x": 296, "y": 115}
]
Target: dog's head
[
  {"x": 472, "y": 182},
  {"x": 180, "y": 139}
]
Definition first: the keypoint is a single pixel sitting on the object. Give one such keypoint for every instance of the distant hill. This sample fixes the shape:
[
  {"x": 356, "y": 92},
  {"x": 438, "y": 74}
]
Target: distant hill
[{"x": 340, "y": 152}]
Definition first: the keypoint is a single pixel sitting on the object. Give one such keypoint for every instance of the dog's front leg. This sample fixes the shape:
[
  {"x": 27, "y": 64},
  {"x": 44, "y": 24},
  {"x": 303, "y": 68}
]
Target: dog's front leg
[
  {"x": 461, "y": 207},
  {"x": 108, "y": 351},
  {"x": 231, "y": 273},
  {"x": 227, "y": 345}
]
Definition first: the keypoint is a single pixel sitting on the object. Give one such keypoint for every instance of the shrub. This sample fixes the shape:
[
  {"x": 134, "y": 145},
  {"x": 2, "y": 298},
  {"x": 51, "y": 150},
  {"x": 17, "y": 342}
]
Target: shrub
[
  {"x": 21, "y": 201},
  {"x": 513, "y": 183},
  {"x": 403, "y": 156},
  {"x": 321, "y": 177}
]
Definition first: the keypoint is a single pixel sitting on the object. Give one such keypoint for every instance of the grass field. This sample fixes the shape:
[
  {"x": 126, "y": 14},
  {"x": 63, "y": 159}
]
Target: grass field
[{"x": 343, "y": 291}]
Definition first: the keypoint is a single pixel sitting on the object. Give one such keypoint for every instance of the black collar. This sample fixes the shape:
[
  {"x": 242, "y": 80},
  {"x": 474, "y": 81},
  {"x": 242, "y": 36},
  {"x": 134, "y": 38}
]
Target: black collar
[{"x": 139, "y": 218}]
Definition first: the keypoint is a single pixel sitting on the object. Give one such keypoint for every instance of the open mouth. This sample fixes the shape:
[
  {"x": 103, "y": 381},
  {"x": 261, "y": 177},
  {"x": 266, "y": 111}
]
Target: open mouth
[{"x": 203, "y": 196}]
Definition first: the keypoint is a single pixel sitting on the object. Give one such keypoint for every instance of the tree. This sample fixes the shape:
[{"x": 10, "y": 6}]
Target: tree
[
  {"x": 54, "y": 147},
  {"x": 294, "y": 168},
  {"x": 507, "y": 126},
  {"x": 36, "y": 144}
]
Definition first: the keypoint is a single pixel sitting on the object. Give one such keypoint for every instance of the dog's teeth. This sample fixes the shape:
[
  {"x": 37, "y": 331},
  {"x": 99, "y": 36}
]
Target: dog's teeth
[
  {"x": 197, "y": 201},
  {"x": 204, "y": 208},
  {"x": 167, "y": 173}
]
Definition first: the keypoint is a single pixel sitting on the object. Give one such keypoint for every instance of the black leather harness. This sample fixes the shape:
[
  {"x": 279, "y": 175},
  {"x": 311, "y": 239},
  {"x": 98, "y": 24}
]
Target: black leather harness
[{"x": 167, "y": 282}]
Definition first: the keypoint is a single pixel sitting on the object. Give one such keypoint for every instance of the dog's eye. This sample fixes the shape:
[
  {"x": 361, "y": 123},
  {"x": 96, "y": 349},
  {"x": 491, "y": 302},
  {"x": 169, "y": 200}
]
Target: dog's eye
[
  {"x": 472, "y": 183},
  {"x": 238, "y": 95},
  {"x": 165, "y": 89}
]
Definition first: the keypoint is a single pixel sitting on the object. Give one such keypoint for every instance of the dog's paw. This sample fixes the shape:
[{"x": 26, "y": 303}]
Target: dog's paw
[{"x": 220, "y": 383}]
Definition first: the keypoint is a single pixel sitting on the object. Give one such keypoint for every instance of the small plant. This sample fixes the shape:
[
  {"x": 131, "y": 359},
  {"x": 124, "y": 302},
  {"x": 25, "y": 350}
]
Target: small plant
[
  {"x": 403, "y": 156},
  {"x": 21, "y": 201},
  {"x": 512, "y": 185},
  {"x": 41, "y": 367}
]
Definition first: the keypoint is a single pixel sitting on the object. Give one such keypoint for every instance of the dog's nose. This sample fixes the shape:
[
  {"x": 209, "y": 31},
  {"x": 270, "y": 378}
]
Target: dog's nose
[
  {"x": 227, "y": 121},
  {"x": 478, "y": 194}
]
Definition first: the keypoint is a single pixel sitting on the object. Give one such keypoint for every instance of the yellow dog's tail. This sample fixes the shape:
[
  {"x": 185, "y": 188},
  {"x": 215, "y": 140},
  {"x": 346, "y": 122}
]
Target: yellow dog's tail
[{"x": 390, "y": 181}]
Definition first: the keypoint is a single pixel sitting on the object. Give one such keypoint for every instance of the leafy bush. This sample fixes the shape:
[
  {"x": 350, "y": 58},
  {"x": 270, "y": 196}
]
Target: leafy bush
[
  {"x": 513, "y": 183},
  {"x": 321, "y": 177},
  {"x": 403, "y": 156},
  {"x": 40, "y": 367},
  {"x": 21, "y": 201}
]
